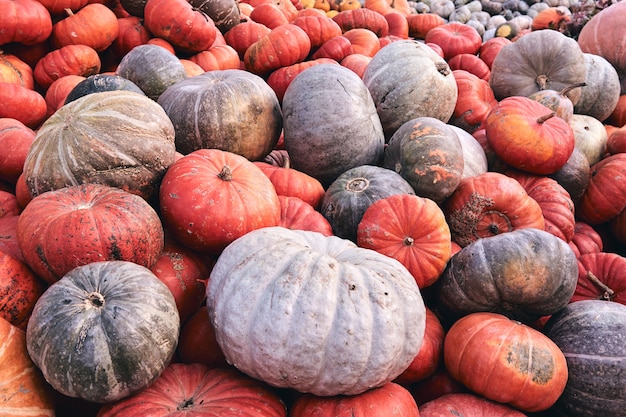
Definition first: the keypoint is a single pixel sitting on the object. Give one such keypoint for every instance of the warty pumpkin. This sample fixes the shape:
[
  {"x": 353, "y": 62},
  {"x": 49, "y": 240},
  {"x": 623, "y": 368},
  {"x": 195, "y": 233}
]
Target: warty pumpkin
[{"x": 314, "y": 313}]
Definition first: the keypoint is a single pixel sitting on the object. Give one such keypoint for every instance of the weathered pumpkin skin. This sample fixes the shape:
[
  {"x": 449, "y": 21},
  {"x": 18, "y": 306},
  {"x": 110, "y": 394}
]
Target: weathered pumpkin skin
[
  {"x": 350, "y": 195},
  {"x": 407, "y": 79},
  {"x": 523, "y": 274},
  {"x": 23, "y": 390},
  {"x": 505, "y": 361},
  {"x": 545, "y": 59},
  {"x": 330, "y": 123},
  {"x": 390, "y": 399},
  {"x": 19, "y": 290},
  {"x": 318, "y": 314},
  {"x": 592, "y": 335},
  {"x": 428, "y": 154},
  {"x": 101, "y": 82},
  {"x": 104, "y": 331},
  {"x": 116, "y": 138},
  {"x": 195, "y": 389},
  {"x": 73, "y": 226},
  {"x": 231, "y": 110}
]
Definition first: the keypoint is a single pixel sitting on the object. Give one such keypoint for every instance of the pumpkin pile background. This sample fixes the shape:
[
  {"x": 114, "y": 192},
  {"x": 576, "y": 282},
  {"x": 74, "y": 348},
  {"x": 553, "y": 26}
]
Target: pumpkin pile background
[{"x": 407, "y": 208}]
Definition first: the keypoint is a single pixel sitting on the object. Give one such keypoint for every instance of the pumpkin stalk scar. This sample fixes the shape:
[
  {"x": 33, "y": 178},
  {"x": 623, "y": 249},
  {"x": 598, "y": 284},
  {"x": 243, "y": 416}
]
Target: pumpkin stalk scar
[
  {"x": 464, "y": 221},
  {"x": 608, "y": 293}
]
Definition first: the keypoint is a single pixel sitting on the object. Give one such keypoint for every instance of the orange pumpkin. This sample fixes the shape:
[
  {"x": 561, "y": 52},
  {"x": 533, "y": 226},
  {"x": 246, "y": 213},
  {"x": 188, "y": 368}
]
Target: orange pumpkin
[
  {"x": 296, "y": 214},
  {"x": 241, "y": 36},
  {"x": 268, "y": 14},
  {"x": 282, "y": 46},
  {"x": 490, "y": 48},
  {"x": 131, "y": 33},
  {"x": 551, "y": 18},
  {"x": 15, "y": 141},
  {"x": 22, "y": 104},
  {"x": 319, "y": 29},
  {"x": 475, "y": 101},
  {"x": 384, "y": 6},
  {"x": 420, "y": 24},
  {"x": 67, "y": 60},
  {"x": 24, "y": 21},
  {"x": 362, "y": 18},
  {"x": 94, "y": 25},
  {"x": 455, "y": 38},
  {"x": 217, "y": 57},
  {"x": 398, "y": 24},
  {"x": 482, "y": 350},
  {"x": 363, "y": 41},
  {"x": 14, "y": 70},
  {"x": 336, "y": 48},
  {"x": 411, "y": 229},
  {"x": 470, "y": 63},
  {"x": 19, "y": 290}
]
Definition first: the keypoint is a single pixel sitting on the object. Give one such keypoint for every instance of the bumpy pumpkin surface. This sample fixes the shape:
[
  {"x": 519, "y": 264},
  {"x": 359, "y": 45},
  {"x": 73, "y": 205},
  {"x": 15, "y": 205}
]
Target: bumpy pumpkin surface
[
  {"x": 317, "y": 314},
  {"x": 117, "y": 138},
  {"x": 104, "y": 331}
]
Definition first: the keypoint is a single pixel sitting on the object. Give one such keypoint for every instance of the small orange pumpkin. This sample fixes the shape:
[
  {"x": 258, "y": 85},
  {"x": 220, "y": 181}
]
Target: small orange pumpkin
[
  {"x": 67, "y": 60},
  {"x": 217, "y": 57},
  {"x": 94, "y": 25}
]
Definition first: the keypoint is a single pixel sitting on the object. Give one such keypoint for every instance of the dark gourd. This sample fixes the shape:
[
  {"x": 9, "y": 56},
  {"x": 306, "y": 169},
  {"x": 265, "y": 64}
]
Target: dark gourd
[{"x": 101, "y": 82}]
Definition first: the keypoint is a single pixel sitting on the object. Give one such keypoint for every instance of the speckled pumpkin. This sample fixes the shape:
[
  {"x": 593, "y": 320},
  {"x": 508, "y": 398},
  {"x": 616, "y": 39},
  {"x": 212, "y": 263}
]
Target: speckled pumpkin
[{"x": 318, "y": 314}]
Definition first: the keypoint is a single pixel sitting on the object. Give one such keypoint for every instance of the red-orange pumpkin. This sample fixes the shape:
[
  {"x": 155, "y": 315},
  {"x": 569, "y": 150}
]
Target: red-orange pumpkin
[
  {"x": 22, "y": 104},
  {"x": 217, "y": 57},
  {"x": 26, "y": 22},
  {"x": 19, "y": 290},
  {"x": 483, "y": 350},
  {"x": 209, "y": 198},
  {"x": 455, "y": 38},
  {"x": 319, "y": 28},
  {"x": 421, "y": 23},
  {"x": 15, "y": 141},
  {"x": 475, "y": 101},
  {"x": 70, "y": 59},
  {"x": 362, "y": 18},
  {"x": 585, "y": 240},
  {"x": 601, "y": 277},
  {"x": 77, "y": 225},
  {"x": 293, "y": 183},
  {"x": 94, "y": 25},
  {"x": 490, "y": 49},
  {"x": 363, "y": 41},
  {"x": 412, "y": 230},
  {"x": 605, "y": 195},
  {"x": 197, "y": 342},
  {"x": 14, "y": 70},
  {"x": 241, "y": 36},
  {"x": 296, "y": 214},
  {"x": 336, "y": 48},
  {"x": 280, "y": 78},
  {"x": 8, "y": 237},
  {"x": 282, "y": 46},
  {"x": 268, "y": 14},
  {"x": 466, "y": 404}
]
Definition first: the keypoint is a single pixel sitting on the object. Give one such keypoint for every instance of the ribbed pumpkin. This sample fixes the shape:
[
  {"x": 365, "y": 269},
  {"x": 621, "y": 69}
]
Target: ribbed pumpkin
[
  {"x": 482, "y": 350},
  {"x": 407, "y": 79},
  {"x": 412, "y": 230},
  {"x": 77, "y": 225},
  {"x": 15, "y": 140},
  {"x": 592, "y": 335},
  {"x": 23, "y": 390},
  {"x": 354, "y": 191},
  {"x": 466, "y": 404},
  {"x": 314, "y": 313},
  {"x": 523, "y": 274},
  {"x": 211, "y": 197},
  {"x": 232, "y": 110},
  {"x": 196, "y": 389},
  {"x": 349, "y": 136},
  {"x": 428, "y": 154},
  {"x": 474, "y": 103},
  {"x": 300, "y": 215},
  {"x": 104, "y": 331},
  {"x": 117, "y": 138},
  {"x": 601, "y": 277},
  {"x": 604, "y": 198}
]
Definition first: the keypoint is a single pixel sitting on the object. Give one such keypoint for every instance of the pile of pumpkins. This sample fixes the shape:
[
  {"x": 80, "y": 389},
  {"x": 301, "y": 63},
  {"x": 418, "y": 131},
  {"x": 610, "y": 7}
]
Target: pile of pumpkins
[{"x": 312, "y": 208}]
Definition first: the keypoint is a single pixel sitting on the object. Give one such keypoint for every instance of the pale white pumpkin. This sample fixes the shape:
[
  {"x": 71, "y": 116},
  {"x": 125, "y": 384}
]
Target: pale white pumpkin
[
  {"x": 590, "y": 136},
  {"x": 317, "y": 314}
]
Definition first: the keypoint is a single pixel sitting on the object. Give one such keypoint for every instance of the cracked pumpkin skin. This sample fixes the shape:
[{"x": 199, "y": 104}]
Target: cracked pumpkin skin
[{"x": 505, "y": 361}]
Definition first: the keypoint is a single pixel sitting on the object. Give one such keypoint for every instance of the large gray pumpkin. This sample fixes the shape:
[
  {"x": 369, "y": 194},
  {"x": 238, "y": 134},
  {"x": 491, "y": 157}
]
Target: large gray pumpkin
[
  {"x": 330, "y": 123},
  {"x": 408, "y": 79},
  {"x": 601, "y": 93},
  {"x": 231, "y": 110},
  {"x": 540, "y": 60},
  {"x": 104, "y": 331},
  {"x": 318, "y": 314}
]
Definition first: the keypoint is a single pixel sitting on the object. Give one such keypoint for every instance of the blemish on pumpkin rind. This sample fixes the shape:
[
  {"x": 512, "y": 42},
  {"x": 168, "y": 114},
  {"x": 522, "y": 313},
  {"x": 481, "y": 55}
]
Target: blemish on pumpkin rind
[{"x": 534, "y": 361}]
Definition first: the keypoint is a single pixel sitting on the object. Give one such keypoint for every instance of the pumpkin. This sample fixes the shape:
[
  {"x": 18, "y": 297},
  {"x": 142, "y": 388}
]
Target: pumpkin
[
  {"x": 217, "y": 57},
  {"x": 22, "y": 104},
  {"x": 351, "y": 134},
  {"x": 601, "y": 93},
  {"x": 117, "y": 138},
  {"x": 280, "y": 78},
  {"x": 8, "y": 237},
  {"x": 412, "y": 230},
  {"x": 363, "y": 41},
  {"x": 152, "y": 68},
  {"x": 314, "y": 313},
  {"x": 603, "y": 35},
  {"x": 428, "y": 154},
  {"x": 101, "y": 82},
  {"x": 184, "y": 273},
  {"x": 76, "y": 59},
  {"x": 616, "y": 142},
  {"x": 605, "y": 197},
  {"x": 244, "y": 34},
  {"x": 591, "y": 335},
  {"x": 225, "y": 14},
  {"x": 383, "y": 401},
  {"x": 482, "y": 348},
  {"x": 210, "y": 197},
  {"x": 14, "y": 70},
  {"x": 94, "y": 25},
  {"x": 131, "y": 33},
  {"x": 472, "y": 64},
  {"x": 455, "y": 38},
  {"x": 466, "y": 404},
  {"x": 590, "y": 136},
  {"x": 574, "y": 175},
  {"x": 353, "y": 192},
  {"x": 528, "y": 136},
  {"x": 540, "y": 60},
  {"x": 299, "y": 215},
  {"x": 268, "y": 14},
  {"x": 490, "y": 49},
  {"x": 474, "y": 156},
  {"x": 23, "y": 390},
  {"x": 362, "y": 18},
  {"x": 104, "y": 331},
  {"x": 618, "y": 116},
  {"x": 208, "y": 114},
  {"x": 15, "y": 140},
  {"x": 8, "y": 204},
  {"x": 407, "y": 79},
  {"x": 293, "y": 183},
  {"x": 600, "y": 277},
  {"x": 523, "y": 274},
  {"x": 336, "y": 48},
  {"x": 556, "y": 205},
  {"x": 180, "y": 23},
  {"x": 474, "y": 103},
  {"x": 557, "y": 101},
  {"x": 25, "y": 21},
  {"x": 437, "y": 385},
  {"x": 430, "y": 356},
  {"x": 197, "y": 343},
  {"x": 85, "y": 223},
  {"x": 585, "y": 240},
  {"x": 284, "y": 45},
  {"x": 398, "y": 24},
  {"x": 19, "y": 290},
  {"x": 384, "y": 6},
  {"x": 421, "y": 23},
  {"x": 59, "y": 89},
  {"x": 357, "y": 63},
  {"x": 199, "y": 390}
]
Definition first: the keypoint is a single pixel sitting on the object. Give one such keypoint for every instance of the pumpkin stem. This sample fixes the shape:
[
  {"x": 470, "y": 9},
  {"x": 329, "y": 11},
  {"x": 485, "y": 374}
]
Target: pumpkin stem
[
  {"x": 545, "y": 117},
  {"x": 357, "y": 185},
  {"x": 443, "y": 68},
  {"x": 542, "y": 81},
  {"x": 226, "y": 174},
  {"x": 408, "y": 241},
  {"x": 95, "y": 299},
  {"x": 608, "y": 292},
  {"x": 69, "y": 11},
  {"x": 185, "y": 404},
  {"x": 571, "y": 87}
]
